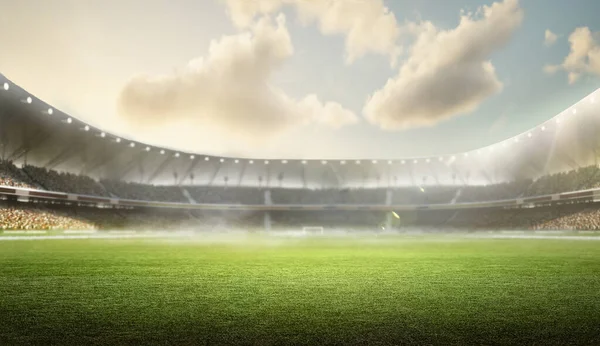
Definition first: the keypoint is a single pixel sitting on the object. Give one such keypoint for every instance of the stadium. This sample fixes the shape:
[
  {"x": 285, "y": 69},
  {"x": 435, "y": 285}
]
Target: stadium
[{"x": 490, "y": 246}]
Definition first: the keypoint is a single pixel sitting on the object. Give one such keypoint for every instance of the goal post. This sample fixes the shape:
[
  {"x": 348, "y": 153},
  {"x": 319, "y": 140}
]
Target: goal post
[{"x": 312, "y": 230}]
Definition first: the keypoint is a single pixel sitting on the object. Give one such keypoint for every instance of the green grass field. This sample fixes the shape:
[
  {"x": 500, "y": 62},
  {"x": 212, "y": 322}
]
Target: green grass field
[{"x": 266, "y": 291}]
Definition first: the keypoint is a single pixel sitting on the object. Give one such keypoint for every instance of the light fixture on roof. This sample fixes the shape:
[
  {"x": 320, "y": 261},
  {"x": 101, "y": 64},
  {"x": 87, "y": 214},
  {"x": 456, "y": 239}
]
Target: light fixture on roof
[
  {"x": 574, "y": 110},
  {"x": 402, "y": 162},
  {"x": 504, "y": 144},
  {"x": 342, "y": 162},
  {"x": 357, "y": 162},
  {"x": 118, "y": 140},
  {"x": 69, "y": 120},
  {"x": 147, "y": 148},
  {"x": 206, "y": 158},
  {"x": 516, "y": 139},
  {"x": 592, "y": 99},
  {"x": 50, "y": 111},
  {"x": 222, "y": 160},
  {"x": 132, "y": 145},
  {"x": 251, "y": 162},
  {"x": 162, "y": 152},
  {"x": 6, "y": 86},
  {"x": 389, "y": 162},
  {"x": 303, "y": 162},
  {"x": 102, "y": 134},
  {"x": 453, "y": 157},
  {"x": 323, "y": 162},
  {"x": 266, "y": 162},
  {"x": 428, "y": 160},
  {"x": 415, "y": 161},
  {"x": 529, "y": 134},
  {"x": 543, "y": 128},
  {"x": 374, "y": 162},
  {"x": 558, "y": 121},
  {"x": 29, "y": 99},
  {"x": 176, "y": 154},
  {"x": 237, "y": 161},
  {"x": 192, "y": 157},
  {"x": 284, "y": 162},
  {"x": 86, "y": 128},
  {"x": 441, "y": 159}
]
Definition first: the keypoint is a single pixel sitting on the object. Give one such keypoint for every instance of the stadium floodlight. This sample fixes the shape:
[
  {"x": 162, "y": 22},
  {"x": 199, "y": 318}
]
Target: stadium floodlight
[
  {"x": 266, "y": 162},
  {"x": 543, "y": 128},
  {"x": 207, "y": 158},
  {"x": 441, "y": 159},
  {"x": 86, "y": 128},
  {"x": 466, "y": 154},
  {"x": 374, "y": 162},
  {"x": 284, "y": 162},
  {"x": 342, "y": 162},
  {"x": 147, "y": 148},
  {"x": 69, "y": 120},
  {"x": 415, "y": 161},
  {"x": 453, "y": 157},
  {"x": 529, "y": 135},
  {"x": 50, "y": 111},
  {"x": 29, "y": 99},
  {"x": 176, "y": 154},
  {"x": 323, "y": 162},
  {"x": 558, "y": 121},
  {"x": 357, "y": 162},
  {"x": 6, "y": 86},
  {"x": 574, "y": 110},
  {"x": 402, "y": 162},
  {"x": 251, "y": 162},
  {"x": 303, "y": 162},
  {"x": 103, "y": 135},
  {"x": 118, "y": 140},
  {"x": 389, "y": 162},
  {"x": 428, "y": 160},
  {"x": 504, "y": 144},
  {"x": 237, "y": 161},
  {"x": 132, "y": 145},
  {"x": 222, "y": 160},
  {"x": 162, "y": 152},
  {"x": 592, "y": 99},
  {"x": 516, "y": 139},
  {"x": 192, "y": 157}
]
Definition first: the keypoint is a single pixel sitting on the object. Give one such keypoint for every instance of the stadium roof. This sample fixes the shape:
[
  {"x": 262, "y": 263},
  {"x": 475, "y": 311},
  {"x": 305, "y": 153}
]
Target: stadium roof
[{"x": 39, "y": 134}]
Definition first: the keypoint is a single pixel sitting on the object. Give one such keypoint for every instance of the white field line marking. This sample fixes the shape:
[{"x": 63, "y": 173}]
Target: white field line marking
[{"x": 95, "y": 236}]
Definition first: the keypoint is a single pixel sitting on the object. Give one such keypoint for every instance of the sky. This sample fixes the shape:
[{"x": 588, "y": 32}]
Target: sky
[{"x": 306, "y": 79}]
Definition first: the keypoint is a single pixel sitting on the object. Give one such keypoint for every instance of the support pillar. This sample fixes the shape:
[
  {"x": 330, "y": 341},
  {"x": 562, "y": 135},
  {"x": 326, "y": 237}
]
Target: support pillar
[{"x": 267, "y": 221}]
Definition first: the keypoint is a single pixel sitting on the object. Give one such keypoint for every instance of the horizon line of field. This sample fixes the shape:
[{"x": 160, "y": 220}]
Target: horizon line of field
[{"x": 131, "y": 234}]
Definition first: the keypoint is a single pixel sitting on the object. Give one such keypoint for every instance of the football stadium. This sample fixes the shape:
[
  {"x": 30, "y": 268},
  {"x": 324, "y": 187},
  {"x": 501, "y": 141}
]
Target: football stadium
[
  {"x": 112, "y": 241},
  {"x": 299, "y": 172}
]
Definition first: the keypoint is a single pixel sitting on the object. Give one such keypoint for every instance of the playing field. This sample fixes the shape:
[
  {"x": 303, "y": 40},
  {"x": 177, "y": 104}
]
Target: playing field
[{"x": 267, "y": 291}]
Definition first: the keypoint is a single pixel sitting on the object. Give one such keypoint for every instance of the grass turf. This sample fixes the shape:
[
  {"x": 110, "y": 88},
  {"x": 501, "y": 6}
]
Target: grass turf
[{"x": 396, "y": 290}]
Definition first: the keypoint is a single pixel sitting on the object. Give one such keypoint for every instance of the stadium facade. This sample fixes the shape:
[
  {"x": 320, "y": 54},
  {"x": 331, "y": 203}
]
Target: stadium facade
[{"x": 41, "y": 135}]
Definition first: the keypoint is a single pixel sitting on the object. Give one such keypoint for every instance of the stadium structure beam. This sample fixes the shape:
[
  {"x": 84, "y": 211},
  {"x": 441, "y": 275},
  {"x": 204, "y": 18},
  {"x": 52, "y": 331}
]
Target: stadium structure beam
[
  {"x": 241, "y": 175},
  {"x": 131, "y": 165},
  {"x": 336, "y": 174},
  {"x": 39, "y": 138},
  {"x": 304, "y": 176},
  {"x": 64, "y": 155},
  {"x": 105, "y": 158},
  {"x": 188, "y": 171},
  {"x": 214, "y": 175},
  {"x": 160, "y": 169}
]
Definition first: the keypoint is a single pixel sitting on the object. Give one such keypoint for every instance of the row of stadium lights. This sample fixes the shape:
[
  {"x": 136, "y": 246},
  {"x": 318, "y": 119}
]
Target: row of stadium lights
[{"x": 69, "y": 120}]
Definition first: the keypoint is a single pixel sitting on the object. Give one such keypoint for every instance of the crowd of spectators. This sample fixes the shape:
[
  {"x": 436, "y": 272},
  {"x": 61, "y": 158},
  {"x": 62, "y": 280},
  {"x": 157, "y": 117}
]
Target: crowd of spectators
[
  {"x": 11, "y": 175},
  {"x": 64, "y": 182},
  {"x": 36, "y": 177},
  {"x": 44, "y": 216},
  {"x": 27, "y": 217}
]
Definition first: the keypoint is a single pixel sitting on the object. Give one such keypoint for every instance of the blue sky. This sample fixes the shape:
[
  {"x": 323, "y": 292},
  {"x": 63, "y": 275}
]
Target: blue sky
[{"x": 82, "y": 56}]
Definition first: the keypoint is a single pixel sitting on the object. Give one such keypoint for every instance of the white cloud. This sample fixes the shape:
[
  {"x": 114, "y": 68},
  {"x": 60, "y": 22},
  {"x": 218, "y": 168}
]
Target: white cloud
[
  {"x": 228, "y": 93},
  {"x": 584, "y": 57},
  {"x": 447, "y": 73},
  {"x": 549, "y": 38},
  {"x": 368, "y": 25}
]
